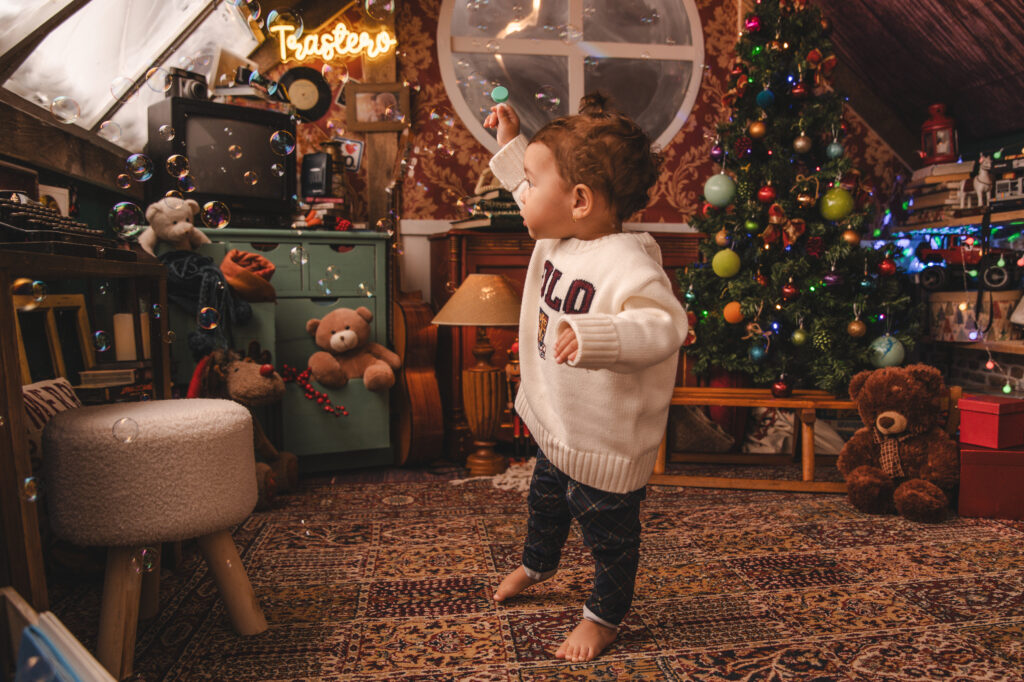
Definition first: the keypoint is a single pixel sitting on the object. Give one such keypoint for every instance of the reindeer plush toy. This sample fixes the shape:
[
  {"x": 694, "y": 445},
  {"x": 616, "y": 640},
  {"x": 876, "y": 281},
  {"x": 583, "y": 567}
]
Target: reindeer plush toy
[{"x": 980, "y": 183}]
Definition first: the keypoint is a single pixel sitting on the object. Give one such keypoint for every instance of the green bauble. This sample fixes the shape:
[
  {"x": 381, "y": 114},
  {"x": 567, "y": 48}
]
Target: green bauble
[
  {"x": 836, "y": 204},
  {"x": 752, "y": 226},
  {"x": 887, "y": 351},
  {"x": 719, "y": 190},
  {"x": 799, "y": 337},
  {"x": 822, "y": 340},
  {"x": 726, "y": 263}
]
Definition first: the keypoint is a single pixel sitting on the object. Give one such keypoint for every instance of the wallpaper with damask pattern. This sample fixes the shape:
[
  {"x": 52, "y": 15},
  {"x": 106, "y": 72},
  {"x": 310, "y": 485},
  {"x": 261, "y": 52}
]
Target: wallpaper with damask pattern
[{"x": 447, "y": 160}]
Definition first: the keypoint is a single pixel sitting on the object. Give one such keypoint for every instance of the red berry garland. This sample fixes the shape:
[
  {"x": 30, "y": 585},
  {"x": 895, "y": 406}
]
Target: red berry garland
[{"x": 301, "y": 380}]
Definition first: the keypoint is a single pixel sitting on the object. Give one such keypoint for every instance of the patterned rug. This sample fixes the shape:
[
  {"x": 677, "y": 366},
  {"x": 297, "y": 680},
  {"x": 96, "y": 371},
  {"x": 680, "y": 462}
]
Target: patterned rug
[{"x": 373, "y": 576}]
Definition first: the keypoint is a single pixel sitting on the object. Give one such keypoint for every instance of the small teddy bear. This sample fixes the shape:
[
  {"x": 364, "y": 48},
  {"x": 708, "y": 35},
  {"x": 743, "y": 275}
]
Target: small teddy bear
[
  {"x": 348, "y": 353},
  {"x": 170, "y": 221},
  {"x": 902, "y": 458}
]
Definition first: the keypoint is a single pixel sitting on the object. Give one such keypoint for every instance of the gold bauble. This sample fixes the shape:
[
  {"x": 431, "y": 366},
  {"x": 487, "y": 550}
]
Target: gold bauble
[
  {"x": 805, "y": 200},
  {"x": 802, "y": 144},
  {"x": 851, "y": 237},
  {"x": 757, "y": 130},
  {"x": 722, "y": 237},
  {"x": 856, "y": 329}
]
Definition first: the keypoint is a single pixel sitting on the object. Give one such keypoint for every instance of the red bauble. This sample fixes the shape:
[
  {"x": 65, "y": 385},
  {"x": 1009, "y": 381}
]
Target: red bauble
[
  {"x": 707, "y": 209},
  {"x": 799, "y": 91},
  {"x": 782, "y": 387},
  {"x": 790, "y": 292},
  {"x": 887, "y": 267},
  {"x": 814, "y": 56},
  {"x": 762, "y": 281},
  {"x": 753, "y": 23},
  {"x": 766, "y": 194}
]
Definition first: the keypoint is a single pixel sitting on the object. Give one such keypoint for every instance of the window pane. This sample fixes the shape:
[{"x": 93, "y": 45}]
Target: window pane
[
  {"x": 661, "y": 22},
  {"x": 13, "y": 12},
  {"x": 510, "y": 18},
  {"x": 538, "y": 85},
  {"x": 647, "y": 90}
]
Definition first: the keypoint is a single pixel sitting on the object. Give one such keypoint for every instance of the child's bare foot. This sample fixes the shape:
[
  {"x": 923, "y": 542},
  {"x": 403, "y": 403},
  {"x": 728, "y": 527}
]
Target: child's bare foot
[
  {"x": 514, "y": 583},
  {"x": 586, "y": 642}
]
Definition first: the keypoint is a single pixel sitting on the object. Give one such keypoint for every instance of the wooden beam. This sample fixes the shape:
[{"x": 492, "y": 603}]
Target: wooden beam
[
  {"x": 731, "y": 483},
  {"x": 877, "y": 114}
]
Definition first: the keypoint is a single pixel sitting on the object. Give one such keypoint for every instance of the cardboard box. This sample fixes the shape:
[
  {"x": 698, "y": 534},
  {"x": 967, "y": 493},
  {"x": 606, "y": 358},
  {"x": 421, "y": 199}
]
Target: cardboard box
[
  {"x": 992, "y": 482},
  {"x": 991, "y": 421},
  {"x": 947, "y": 322}
]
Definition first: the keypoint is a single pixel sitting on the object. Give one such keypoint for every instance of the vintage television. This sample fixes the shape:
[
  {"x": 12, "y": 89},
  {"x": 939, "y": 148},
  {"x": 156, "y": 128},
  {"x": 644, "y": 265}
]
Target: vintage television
[{"x": 223, "y": 143}]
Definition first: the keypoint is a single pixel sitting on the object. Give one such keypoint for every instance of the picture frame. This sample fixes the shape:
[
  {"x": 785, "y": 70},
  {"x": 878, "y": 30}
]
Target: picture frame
[{"x": 376, "y": 107}]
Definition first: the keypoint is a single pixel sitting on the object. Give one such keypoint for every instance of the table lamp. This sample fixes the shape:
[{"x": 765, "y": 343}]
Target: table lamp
[{"x": 482, "y": 301}]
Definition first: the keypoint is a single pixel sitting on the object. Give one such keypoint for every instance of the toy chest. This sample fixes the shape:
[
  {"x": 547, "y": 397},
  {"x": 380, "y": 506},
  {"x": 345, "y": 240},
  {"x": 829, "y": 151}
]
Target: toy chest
[
  {"x": 991, "y": 421},
  {"x": 992, "y": 482},
  {"x": 947, "y": 322}
]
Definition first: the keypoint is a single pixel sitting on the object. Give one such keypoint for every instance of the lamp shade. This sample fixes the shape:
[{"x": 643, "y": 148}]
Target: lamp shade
[{"x": 481, "y": 301}]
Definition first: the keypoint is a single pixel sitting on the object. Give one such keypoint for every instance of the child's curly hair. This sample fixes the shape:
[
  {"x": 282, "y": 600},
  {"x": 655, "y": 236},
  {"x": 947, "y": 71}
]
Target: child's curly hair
[{"x": 606, "y": 151}]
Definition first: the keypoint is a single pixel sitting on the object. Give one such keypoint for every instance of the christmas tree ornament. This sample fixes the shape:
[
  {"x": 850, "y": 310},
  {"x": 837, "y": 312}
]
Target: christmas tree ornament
[
  {"x": 766, "y": 194},
  {"x": 757, "y": 353},
  {"x": 822, "y": 340},
  {"x": 752, "y": 23},
  {"x": 732, "y": 313},
  {"x": 790, "y": 292},
  {"x": 826, "y": 25},
  {"x": 835, "y": 204},
  {"x": 761, "y": 280},
  {"x": 828, "y": 63},
  {"x": 886, "y": 351},
  {"x": 722, "y": 237},
  {"x": 887, "y": 267},
  {"x": 726, "y": 263},
  {"x": 717, "y": 153},
  {"x": 738, "y": 68},
  {"x": 867, "y": 283},
  {"x": 707, "y": 209},
  {"x": 856, "y": 329},
  {"x": 834, "y": 150},
  {"x": 690, "y": 295},
  {"x": 851, "y": 237},
  {"x": 743, "y": 147},
  {"x": 799, "y": 90},
  {"x": 804, "y": 200},
  {"x": 719, "y": 190},
  {"x": 691, "y": 334},
  {"x": 799, "y": 337},
  {"x": 752, "y": 226},
  {"x": 802, "y": 144},
  {"x": 757, "y": 130},
  {"x": 765, "y": 98},
  {"x": 814, "y": 56},
  {"x": 833, "y": 278},
  {"x": 782, "y": 387}
]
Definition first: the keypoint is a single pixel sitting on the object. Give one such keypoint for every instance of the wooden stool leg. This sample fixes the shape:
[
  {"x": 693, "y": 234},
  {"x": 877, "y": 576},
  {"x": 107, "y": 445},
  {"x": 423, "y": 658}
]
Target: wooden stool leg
[
  {"x": 119, "y": 612},
  {"x": 149, "y": 604},
  {"x": 807, "y": 418},
  {"x": 243, "y": 607},
  {"x": 659, "y": 463}
]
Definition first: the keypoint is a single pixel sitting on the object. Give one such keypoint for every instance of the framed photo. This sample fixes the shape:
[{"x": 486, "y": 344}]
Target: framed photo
[
  {"x": 376, "y": 106},
  {"x": 351, "y": 153}
]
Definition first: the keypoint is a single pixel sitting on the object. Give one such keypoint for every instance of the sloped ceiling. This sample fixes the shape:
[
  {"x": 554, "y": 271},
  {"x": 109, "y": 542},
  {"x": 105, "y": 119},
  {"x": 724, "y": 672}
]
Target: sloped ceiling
[{"x": 968, "y": 54}]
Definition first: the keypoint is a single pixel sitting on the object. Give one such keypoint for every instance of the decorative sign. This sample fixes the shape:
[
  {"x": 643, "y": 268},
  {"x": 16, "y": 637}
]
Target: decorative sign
[{"x": 342, "y": 41}]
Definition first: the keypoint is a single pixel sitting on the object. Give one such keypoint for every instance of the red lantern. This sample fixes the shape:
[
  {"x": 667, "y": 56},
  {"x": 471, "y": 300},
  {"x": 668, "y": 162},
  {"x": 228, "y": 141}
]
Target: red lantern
[{"x": 938, "y": 138}]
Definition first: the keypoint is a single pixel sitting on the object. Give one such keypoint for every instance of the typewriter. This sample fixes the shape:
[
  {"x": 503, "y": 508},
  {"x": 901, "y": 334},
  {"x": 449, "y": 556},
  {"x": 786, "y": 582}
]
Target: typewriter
[{"x": 28, "y": 225}]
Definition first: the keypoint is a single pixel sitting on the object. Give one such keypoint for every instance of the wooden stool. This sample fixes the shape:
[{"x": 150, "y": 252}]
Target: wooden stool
[{"x": 132, "y": 475}]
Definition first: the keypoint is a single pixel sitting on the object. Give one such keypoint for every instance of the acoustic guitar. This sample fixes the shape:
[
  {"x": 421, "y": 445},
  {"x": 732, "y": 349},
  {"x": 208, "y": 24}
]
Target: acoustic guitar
[{"x": 419, "y": 425}]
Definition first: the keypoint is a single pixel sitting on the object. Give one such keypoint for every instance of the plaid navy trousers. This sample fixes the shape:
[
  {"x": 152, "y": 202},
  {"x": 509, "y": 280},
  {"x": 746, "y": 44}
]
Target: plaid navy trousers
[{"x": 611, "y": 530}]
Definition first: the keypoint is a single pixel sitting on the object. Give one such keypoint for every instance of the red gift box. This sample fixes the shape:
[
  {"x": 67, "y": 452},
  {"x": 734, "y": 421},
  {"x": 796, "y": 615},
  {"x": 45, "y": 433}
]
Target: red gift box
[
  {"x": 992, "y": 482},
  {"x": 991, "y": 421}
]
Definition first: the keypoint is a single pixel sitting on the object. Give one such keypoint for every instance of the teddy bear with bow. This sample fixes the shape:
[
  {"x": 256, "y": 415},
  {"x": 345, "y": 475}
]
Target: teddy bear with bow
[
  {"x": 171, "y": 221},
  {"x": 343, "y": 335},
  {"x": 901, "y": 459}
]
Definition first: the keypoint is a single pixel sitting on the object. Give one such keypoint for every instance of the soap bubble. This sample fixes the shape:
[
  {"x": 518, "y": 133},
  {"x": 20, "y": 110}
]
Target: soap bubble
[
  {"x": 254, "y": 9},
  {"x": 158, "y": 80},
  {"x": 139, "y": 167},
  {"x": 262, "y": 83},
  {"x": 333, "y": 272},
  {"x": 30, "y": 489},
  {"x": 103, "y": 288},
  {"x": 186, "y": 183},
  {"x": 366, "y": 290},
  {"x": 228, "y": 131},
  {"x": 174, "y": 199},
  {"x": 144, "y": 560},
  {"x": 101, "y": 340},
  {"x": 547, "y": 98},
  {"x": 298, "y": 255},
  {"x": 125, "y": 430},
  {"x": 109, "y": 131},
  {"x": 39, "y": 291},
  {"x": 65, "y": 109},
  {"x": 216, "y": 214},
  {"x": 203, "y": 59},
  {"x": 250, "y": 177},
  {"x": 282, "y": 143},
  {"x": 123, "y": 181},
  {"x": 208, "y": 318},
  {"x": 235, "y": 152},
  {"x": 277, "y": 169},
  {"x": 157, "y": 311},
  {"x": 570, "y": 34},
  {"x": 335, "y": 72},
  {"x": 120, "y": 86},
  {"x": 166, "y": 132},
  {"x": 177, "y": 165},
  {"x": 285, "y": 18},
  {"x": 169, "y": 336},
  {"x": 126, "y": 219},
  {"x": 324, "y": 287},
  {"x": 379, "y": 9}
]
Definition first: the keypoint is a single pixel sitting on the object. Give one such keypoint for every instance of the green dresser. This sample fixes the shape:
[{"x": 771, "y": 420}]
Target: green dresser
[{"x": 315, "y": 273}]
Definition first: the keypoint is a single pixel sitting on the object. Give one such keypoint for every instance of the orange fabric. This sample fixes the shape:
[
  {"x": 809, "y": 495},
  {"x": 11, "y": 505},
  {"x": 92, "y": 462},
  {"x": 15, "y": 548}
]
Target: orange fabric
[{"x": 249, "y": 275}]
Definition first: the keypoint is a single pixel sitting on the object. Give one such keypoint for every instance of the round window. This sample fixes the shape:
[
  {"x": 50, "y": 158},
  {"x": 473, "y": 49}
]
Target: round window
[{"x": 647, "y": 55}]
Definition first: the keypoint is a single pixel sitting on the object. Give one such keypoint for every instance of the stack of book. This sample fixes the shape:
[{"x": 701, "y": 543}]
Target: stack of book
[
  {"x": 933, "y": 192},
  {"x": 325, "y": 213},
  {"x": 491, "y": 209}
]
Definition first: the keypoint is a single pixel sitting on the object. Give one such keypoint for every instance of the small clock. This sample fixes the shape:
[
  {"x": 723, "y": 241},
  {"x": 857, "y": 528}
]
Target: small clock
[{"x": 307, "y": 91}]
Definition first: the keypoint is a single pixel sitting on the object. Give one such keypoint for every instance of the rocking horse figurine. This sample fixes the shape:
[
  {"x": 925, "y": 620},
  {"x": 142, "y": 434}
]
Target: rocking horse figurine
[{"x": 980, "y": 183}]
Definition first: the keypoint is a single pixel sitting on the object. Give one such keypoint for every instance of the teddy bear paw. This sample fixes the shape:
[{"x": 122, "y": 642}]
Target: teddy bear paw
[
  {"x": 920, "y": 500},
  {"x": 870, "y": 490}
]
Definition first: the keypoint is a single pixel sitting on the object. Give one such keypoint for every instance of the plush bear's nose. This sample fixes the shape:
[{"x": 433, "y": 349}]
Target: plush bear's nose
[
  {"x": 886, "y": 422},
  {"x": 266, "y": 370}
]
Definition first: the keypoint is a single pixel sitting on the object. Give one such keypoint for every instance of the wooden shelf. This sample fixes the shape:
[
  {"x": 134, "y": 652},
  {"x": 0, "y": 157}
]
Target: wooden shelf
[
  {"x": 1009, "y": 347},
  {"x": 1003, "y": 217}
]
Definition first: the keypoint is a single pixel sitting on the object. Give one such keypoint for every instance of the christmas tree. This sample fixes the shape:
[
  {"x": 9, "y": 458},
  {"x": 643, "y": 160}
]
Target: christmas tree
[{"x": 784, "y": 291}]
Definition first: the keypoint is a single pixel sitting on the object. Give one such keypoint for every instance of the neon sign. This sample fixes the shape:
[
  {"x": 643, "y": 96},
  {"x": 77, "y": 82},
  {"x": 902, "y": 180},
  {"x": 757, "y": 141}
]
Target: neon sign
[{"x": 341, "y": 41}]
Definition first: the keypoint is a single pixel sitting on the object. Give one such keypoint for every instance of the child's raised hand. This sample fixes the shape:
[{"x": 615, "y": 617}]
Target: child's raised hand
[
  {"x": 504, "y": 118},
  {"x": 566, "y": 345}
]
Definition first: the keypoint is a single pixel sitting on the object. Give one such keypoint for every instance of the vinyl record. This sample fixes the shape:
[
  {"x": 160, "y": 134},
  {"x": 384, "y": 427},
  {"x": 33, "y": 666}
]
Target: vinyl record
[{"x": 307, "y": 91}]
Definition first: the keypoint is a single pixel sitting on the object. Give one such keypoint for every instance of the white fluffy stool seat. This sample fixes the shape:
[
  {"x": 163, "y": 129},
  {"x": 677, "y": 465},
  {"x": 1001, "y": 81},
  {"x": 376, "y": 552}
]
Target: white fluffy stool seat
[{"x": 129, "y": 475}]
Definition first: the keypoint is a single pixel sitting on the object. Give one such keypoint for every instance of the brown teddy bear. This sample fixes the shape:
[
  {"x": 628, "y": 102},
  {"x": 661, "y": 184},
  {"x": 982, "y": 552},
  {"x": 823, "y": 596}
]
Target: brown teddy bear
[
  {"x": 902, "y": 458},
  {"x": 348, "y": 353},
  {"x": 171, "y": 221},
  {"x": 226, "y": 374}
]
